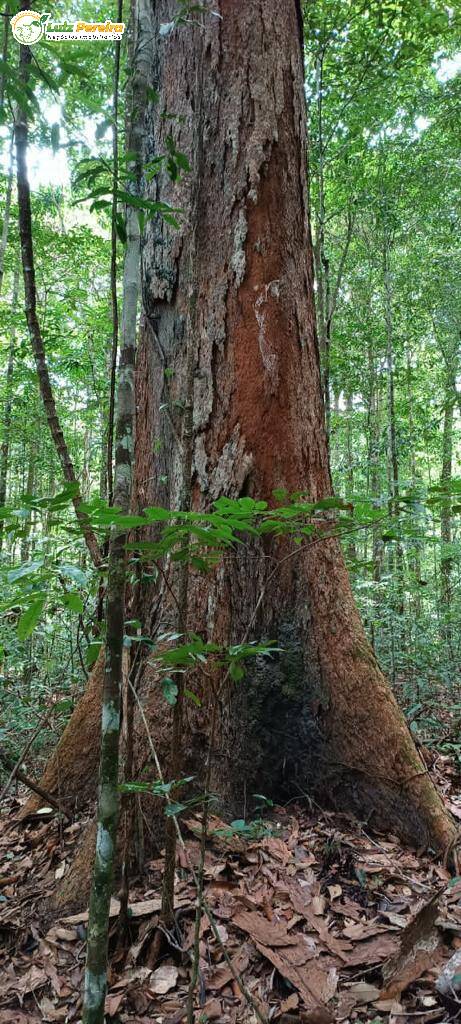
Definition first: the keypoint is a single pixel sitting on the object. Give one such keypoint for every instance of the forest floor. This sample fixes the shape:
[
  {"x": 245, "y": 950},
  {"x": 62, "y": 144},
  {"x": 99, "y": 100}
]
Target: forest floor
[{"x": 322, "y": 920}]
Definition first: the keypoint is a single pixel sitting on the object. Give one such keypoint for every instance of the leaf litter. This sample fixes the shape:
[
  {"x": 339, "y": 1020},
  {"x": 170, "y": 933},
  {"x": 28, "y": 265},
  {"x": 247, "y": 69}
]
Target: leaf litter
[{"x": 322, "y": 921}]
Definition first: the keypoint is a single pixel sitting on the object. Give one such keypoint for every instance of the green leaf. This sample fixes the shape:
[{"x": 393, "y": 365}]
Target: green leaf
[
  {"x": 64, "y": 705},
  {"x": 170, "y": 690},
  {"x": 27, "y": 569},
  {"x": 193, "y": 697},
  {"x": 327, "y": 503},
  {"x": 135, "y": 787},
  {"x": 174, "y": 808},
  {"x": 74, "y": 573},
  {"x": 74, "y": 602},
  {"x": 92, "y": 652},
  {"x": 30, "y": 617},
  {"x": 152, "y": 94},
  {"x": 120, "y": 226}
]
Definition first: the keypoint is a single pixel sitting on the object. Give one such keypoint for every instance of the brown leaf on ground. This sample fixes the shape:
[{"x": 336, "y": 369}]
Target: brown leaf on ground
[
  {"x": 315, "y": 984},
  {"x": 113, "y": 1003},
  {"x": 291, "y": 1003},
  {"x": 301, "y": 903},
  {"x": 65, "y": 934},
  {"x": 362, "y": 992},
  {"x": 417, "y": 945},
  {"x": 212, "y": 1010},
  {"x": 163, "y": 979},
  {"x": 34, "y": 979},
  {"x": 363, "y": 930},
  {"x": 222, "y": 975},
  {"x": 17, "y": 1017},
  {"x": 321, "y": 1015},
  {"x": 373, "y": 951},
  {"x": 346, "y": 1004},
  {"x": 277, "y": 848},
  {"x": 51, "y": 1013},
  {"x": 268, "y": 933},
  {"x": 133, "y": 976}
]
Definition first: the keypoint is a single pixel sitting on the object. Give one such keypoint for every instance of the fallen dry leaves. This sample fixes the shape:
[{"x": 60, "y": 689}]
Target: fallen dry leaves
[{"x": 322, "y": 922}]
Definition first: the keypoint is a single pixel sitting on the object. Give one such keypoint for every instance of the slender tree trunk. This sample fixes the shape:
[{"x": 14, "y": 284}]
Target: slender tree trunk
[
  {"x": 395, "y": 552},
  {"x": 8, "y": 406},
  {"x": 322, "y": 264},
  {"x": 374, "y": 487},
  {"x": 6, "y": 217},
  {"x": 351, "y": 547},
  {"x": 185, "y": 497},
  {"x": 6, "y": 32},
  {"x": 393, "y": 464},
  {"x": 29, "y": 490},
  {"x": 446, "y": 560},
  {"x": 373, "y": 459},
  {"x": 28, "y": 267},
  {"x": 415, "y": 560},
  {"x": 113, "y": 268},
  {"x": 327, "y": 289},
  {"x": 108, "y": 803}
]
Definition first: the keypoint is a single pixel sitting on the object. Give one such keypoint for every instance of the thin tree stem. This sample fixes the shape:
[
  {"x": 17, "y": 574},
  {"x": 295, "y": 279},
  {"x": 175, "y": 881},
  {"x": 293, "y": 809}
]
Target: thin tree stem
[
  {"x": 113, "y": 270},
  {"x": 6, "y": 213},
  {"x": 8, "y": 407},
  {"x": 35, "y": 334},
  {"x": 108, "y": 802}
]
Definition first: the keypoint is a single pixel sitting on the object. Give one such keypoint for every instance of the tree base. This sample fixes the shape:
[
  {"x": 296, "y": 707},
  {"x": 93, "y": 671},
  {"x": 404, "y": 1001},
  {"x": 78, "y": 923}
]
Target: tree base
[{"x": 71, "y": 774}]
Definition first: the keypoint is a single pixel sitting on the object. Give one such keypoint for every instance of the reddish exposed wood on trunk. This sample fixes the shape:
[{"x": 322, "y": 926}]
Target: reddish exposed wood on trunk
[{"x": 323, "y": 713}]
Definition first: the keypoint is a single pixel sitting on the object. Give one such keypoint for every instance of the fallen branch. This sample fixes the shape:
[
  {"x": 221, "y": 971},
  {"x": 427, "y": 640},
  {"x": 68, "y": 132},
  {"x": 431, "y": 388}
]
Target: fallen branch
[
  {"x": 17, "y": 773},
  {"x": 23, "y": 755}
]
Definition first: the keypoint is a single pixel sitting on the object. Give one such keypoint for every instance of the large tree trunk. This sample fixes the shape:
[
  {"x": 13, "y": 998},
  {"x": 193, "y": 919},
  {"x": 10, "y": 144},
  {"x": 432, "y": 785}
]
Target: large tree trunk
[
  {"x": 320, "y": 715},
  {"x": 322, "y": 711}
]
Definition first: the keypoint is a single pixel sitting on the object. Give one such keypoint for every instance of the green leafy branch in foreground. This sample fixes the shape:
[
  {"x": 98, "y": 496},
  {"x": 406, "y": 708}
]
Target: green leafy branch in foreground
[
  {"x": 201, "y": 538},
  {"x": 95, "y": 175}
]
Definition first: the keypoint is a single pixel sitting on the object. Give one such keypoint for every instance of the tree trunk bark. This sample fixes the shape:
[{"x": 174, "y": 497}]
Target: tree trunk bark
[
  {"x": 95, "y": 985},
  {"x": 6, "y": 28},
  {"x": 446, "y": 560},
  {"x": 395, "y": 551},
  {"x": 25, "y": 539},
  {"x": 72, "y": 771},
  {"x": 113, "y": 271},
  {"x": 319, "y": 716},
  {"x": 6, "y": 214},
  {"x": 8, "y": 406},
  {"x": 351, "y": 546}
]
